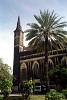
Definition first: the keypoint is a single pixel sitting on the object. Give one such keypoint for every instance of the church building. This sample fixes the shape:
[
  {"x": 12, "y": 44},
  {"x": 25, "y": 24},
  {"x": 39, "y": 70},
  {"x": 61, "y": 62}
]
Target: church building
[{"x": 30, "y": 64}]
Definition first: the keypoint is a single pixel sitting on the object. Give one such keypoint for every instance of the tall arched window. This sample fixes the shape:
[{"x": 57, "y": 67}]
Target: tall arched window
[
  {"x": 23, "y": 71},
  {"x": 51, "y": 64},
  {"x": 35, "y": 69},
  {"x": 64, "y": 61}
]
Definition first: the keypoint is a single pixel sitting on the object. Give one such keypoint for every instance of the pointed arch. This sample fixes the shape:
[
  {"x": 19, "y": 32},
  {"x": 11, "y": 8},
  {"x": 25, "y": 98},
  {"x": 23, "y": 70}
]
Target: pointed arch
[
  {"x": 23, "y": 71},
  {"x": 35, "y": 62},
  {"x": 23, "y": 65},
  {"x": 35, "y": 69},
  {"x": 51, "y": 64},
  {"x": 64, "y": 61}
]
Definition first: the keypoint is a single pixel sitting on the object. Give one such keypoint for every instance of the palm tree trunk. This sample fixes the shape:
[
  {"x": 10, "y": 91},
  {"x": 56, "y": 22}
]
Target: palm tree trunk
[{"x": 46, "y": 64}]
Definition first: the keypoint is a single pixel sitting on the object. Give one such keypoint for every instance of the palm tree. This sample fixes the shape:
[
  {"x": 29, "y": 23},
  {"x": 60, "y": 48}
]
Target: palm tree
[{"x": 46, "y": 34}]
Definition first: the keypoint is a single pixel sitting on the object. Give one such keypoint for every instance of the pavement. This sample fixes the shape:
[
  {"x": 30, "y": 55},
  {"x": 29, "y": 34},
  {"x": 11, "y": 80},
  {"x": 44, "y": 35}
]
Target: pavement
[{"x": 13, "y": 95}]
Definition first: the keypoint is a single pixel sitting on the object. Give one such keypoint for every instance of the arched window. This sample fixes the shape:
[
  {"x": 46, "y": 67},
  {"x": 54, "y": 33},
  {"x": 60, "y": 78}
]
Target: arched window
[
  {"x": 35, "y": 69},
  {"x": 64, "y": 61},
  {"x": 51, "y": 64},
  {"x": 23, "y": 71}
]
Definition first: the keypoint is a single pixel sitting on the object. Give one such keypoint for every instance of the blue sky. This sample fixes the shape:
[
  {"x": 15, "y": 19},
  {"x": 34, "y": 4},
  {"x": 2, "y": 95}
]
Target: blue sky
[{"x": 9, "y": 12}]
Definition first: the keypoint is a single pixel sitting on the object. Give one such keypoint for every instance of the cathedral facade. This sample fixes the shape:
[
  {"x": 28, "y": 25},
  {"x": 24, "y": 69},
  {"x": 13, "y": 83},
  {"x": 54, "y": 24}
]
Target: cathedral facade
[{"x": 30, "y": 64}]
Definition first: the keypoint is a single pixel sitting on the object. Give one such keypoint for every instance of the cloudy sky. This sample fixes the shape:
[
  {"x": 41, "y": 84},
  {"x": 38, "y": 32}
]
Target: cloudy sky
[{"x": 9, "y": 12}]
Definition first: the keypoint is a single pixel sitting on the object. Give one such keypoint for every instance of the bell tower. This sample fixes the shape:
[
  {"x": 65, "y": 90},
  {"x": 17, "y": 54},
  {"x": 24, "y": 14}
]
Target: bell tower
[
  {"x": 19, "y": 36},
  {"x": 18, "y": 47}
]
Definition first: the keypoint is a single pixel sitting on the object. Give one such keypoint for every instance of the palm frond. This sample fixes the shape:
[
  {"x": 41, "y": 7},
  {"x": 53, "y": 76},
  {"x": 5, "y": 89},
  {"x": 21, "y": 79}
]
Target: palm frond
[
  {"x": 39, "y": 20},
  {"x": 31, "y": 34},
  {"x": 48, "y": 23}
]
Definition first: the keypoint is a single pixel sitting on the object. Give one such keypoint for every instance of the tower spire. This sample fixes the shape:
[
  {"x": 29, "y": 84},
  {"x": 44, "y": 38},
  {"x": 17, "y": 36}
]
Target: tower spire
[{"x": 19, "y": 24}]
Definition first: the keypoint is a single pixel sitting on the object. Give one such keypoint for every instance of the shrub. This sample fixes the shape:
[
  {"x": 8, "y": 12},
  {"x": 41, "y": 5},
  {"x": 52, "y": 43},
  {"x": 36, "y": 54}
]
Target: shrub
[
  {"x": 64, "y": 92},
  {"x": 6, "y": 87},
  {"x": 53, "y": 95},
  {"x": 27, "y": 87}
]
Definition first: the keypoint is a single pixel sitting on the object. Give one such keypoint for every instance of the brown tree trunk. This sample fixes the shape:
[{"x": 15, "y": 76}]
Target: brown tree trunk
[{"x": 46, "y": 65}]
